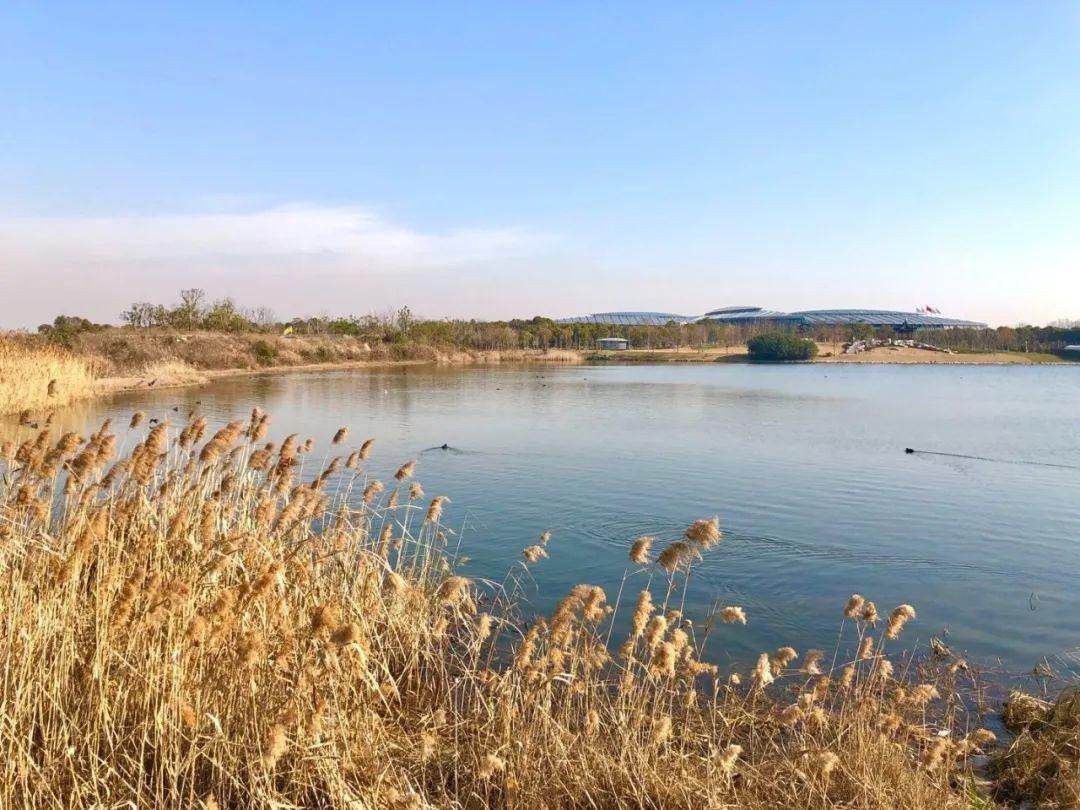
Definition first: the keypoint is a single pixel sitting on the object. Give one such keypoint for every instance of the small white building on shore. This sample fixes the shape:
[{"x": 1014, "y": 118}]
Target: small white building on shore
[{"x": 613, "y": 344}]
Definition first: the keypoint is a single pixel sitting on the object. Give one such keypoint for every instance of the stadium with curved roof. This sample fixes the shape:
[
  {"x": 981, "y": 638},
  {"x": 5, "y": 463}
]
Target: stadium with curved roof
[
  {"x": 746, "y": 316},
  {"x": 631, "y": 318},
  {"x": 881, "y": 317}
]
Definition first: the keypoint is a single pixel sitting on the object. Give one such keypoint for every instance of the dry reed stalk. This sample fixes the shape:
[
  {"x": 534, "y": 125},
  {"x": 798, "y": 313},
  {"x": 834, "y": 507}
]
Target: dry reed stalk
[{"x": 166, "y": 646}]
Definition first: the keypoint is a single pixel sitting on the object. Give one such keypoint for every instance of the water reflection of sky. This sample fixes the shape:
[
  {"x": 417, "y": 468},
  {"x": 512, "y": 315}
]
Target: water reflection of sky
[{"x": 804, "y": 465}]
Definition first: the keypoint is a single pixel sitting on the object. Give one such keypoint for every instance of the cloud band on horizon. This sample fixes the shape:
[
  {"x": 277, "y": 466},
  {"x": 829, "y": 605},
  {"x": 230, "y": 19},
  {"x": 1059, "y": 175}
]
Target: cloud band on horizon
[{"x": 273, "y": 248}]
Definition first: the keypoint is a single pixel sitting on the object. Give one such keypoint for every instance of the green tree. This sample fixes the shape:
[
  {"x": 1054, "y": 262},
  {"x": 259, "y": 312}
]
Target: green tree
[
  {"x": 223, "y": 316},
  {"x": 781, "y": 346}
]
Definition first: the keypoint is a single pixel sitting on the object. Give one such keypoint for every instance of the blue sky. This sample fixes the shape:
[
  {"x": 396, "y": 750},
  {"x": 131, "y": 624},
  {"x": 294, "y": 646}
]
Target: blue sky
[{"x": 508, "y": 159}]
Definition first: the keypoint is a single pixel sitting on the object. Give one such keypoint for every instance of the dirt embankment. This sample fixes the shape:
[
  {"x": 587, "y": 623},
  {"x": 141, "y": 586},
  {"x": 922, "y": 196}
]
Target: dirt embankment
[
  {"x": 37, "y": 375},
  {"x": 130, "y": 360}
]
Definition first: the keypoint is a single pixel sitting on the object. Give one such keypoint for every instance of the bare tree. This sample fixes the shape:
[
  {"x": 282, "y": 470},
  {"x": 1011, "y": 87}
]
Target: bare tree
[
  {"x": 189, "y": 313},
  {"x": 140, "y": 315},
  {"x": 264, "y": 316}
]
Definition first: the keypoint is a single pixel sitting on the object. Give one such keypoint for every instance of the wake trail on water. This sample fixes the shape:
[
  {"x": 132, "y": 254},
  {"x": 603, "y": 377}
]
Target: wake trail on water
[
  {"x": 456, "y": 451},
  {"x": 1021, "y": 462}
]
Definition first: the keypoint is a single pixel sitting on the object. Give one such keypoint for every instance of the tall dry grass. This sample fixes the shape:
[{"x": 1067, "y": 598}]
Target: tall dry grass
[
  {"x": 136, "y": 352},
  {"x": 208, "y": 620},
  {"x": 39, "y": 377}
]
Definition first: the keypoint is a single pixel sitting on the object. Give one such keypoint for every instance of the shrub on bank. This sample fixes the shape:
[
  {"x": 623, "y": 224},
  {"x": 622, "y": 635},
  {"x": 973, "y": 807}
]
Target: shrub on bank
[
  {"x": 264, "y": 352},
  {"x": 781, "y": 346}
]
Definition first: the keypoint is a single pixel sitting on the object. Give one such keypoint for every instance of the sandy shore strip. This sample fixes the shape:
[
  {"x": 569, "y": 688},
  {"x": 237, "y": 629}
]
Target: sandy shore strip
[{"x": 179, "y": 375}]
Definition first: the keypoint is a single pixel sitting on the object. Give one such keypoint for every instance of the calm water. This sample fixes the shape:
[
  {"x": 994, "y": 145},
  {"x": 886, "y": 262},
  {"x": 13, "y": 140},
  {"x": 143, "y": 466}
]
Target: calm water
[{"x": 805, "y": 466}]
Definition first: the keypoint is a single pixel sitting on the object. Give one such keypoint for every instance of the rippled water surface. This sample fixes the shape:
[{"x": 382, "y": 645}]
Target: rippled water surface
[{"x": 805, "y": 465}]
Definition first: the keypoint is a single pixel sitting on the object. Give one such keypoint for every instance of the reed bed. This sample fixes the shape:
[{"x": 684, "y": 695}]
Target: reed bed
[
  {"x": 211, "y": 620},
  {"x": 38, "y": 377}
]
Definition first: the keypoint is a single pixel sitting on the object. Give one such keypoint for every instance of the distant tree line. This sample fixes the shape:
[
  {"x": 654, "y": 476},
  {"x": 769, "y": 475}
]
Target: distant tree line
[
  {"x": 1051, "y": 338},
  {"x": 195, "y": 311}
]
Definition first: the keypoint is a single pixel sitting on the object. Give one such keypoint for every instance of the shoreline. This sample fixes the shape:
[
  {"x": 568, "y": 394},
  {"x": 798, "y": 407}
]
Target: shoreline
[
  {"x": 107, "y": 386},
  {"x": 174, "y": 374},
  {"x": 883, "y": 356},
  {"x": 189, "y": 376}
]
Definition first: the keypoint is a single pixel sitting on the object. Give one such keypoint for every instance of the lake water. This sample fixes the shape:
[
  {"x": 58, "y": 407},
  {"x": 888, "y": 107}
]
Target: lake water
[{"x": 805, "y": 465}]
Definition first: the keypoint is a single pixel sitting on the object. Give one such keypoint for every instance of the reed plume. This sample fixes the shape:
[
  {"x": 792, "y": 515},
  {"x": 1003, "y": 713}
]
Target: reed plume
[
  {"x": 534, "y": 553},
  {"x": 435, "y": 509},
  {"x": 639, "y": 551},
  {"x": 854, "y": 606},
  {"x": 897, "y": 619},
  {"x": 453, "y": 591},
  {"x": 812, "y": 662},
  {"x": 221, "y": 441},
  {"x": 371, "y": 491},
  {"x": 677, "y": 555},
  {"x": 704, "y": 533},
  {"x": 642, "y": 613},
  {"x": 733, "y": 615},
  {"x": 762, "y": 675},
  {"x": 655, "y": 631},
  {"x": 663, "y": 660}
]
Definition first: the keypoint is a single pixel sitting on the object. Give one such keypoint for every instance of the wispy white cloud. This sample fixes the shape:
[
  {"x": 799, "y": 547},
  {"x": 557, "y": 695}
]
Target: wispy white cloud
[
  {"x": 344, "y": 233},
  {"x": 94, "y": 265}
]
